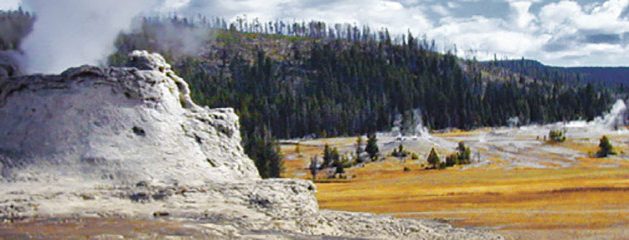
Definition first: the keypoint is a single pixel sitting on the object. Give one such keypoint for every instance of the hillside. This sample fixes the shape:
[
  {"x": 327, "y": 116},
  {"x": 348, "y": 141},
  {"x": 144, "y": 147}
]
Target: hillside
[
  {"x": 607, "y": 76},
  {"x": 301, "y": 84}
]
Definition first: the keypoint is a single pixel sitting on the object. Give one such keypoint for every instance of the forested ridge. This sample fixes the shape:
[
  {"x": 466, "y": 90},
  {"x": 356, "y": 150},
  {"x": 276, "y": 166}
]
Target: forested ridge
[
  {"x": 615, "y": 77},
  {"x": 301, "y": 84},
  {"x": 290, "y": 80}
]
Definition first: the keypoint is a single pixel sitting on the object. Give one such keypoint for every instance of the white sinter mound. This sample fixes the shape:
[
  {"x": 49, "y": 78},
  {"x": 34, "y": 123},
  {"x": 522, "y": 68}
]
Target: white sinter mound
[
  {"x": 129, "y": 142},
  {"x": 121, "y": 124}
]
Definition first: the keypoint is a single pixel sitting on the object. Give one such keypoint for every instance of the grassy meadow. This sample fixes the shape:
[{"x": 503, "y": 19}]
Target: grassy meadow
[{"x": 588, "y": 199}]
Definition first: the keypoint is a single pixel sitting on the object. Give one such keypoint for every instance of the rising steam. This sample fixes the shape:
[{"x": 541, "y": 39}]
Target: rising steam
[{"x": 70, "y": 33}]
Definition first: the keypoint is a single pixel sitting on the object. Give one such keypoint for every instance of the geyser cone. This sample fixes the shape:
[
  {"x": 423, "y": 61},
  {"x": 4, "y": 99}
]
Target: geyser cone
[{"x": 116, "y": 124}]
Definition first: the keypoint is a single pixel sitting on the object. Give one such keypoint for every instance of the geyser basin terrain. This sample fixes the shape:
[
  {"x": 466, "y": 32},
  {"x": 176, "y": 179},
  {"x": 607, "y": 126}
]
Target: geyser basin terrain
[
  {"x": 130, "y": 143},
  {"x": 109, "y": 123}
]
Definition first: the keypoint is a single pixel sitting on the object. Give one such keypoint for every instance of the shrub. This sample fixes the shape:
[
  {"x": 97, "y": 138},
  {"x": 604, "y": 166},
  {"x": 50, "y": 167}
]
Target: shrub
[
  {"x": 463, "y": 154},
  {"x": 605, "y": 148},
  {"x": 452, "y": 160},
  {"x": 400, "y": 152},
  {"x": 298, "y": 149},
  {"x": 556, "y": 136}
]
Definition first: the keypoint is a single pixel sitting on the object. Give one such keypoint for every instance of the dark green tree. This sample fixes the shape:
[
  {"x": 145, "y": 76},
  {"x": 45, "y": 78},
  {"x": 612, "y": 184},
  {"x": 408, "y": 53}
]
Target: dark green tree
[
  {"x": 464, "y": 154},
  {"x": 605, "y": 148},
  {"x": 313, "y": 167},
  {"x": 433, "y": 159},
  {"x": 265, "y": 152},
  {"x": 372, "y": 146},
  {"x": 359, "y": 148},
  {"x": 452, "y": 159},
  {"x": 339, "y": 167},
  {"x": 328, "y": 156},
  {"x": 400, "y": 152},
  {"x": 556, "y": 136},
  {"x": 335, "y": 154}
]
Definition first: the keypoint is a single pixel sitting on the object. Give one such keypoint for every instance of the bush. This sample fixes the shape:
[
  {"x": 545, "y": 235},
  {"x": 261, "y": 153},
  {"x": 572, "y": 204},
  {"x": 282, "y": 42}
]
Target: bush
[
  {"x": 605, "y": 148},
  {"x": 442, "y": 165},
  {"x": 400, "y": 152},
  {"x": 556, "y": 136},
  {"x": 464, "y": 154},
  {"x": 452, "y": 160},
  {"x": 414, "y": 156},
  {"x": 407, "y": 169}
]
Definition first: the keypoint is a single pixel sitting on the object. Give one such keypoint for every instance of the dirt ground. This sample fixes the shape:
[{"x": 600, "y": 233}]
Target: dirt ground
[{"x": 100, "y": 228}]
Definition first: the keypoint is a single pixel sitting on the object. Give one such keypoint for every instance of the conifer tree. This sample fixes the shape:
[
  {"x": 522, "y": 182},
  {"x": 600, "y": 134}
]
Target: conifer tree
[
  {"x": 464, "y": 154},
  {"x": 359, "y": 148},
  {"x": 372, "y": 146},
  {"x": 605, "y": 148},
  {"x": 339, "y": 167},
  {"x": 328, "y": 156},
  {"x": 314, "y": 168},
  {"x": 433, "y": 159}
]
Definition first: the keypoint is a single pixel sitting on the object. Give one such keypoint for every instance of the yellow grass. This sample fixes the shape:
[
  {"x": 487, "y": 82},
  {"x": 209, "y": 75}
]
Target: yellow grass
[
  {"x": 582, "y": 201},
  {"x": 460, "y": 133}
]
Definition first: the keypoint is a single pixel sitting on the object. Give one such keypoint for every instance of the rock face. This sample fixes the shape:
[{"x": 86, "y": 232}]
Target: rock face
[
  {"x": 121, "y": 124},
  {"x": 130, "y": 143}
]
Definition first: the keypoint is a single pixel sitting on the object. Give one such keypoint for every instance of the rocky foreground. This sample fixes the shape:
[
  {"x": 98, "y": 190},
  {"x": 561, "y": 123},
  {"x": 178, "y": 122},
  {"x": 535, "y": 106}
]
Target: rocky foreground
[{"x": 129, "y": 144}]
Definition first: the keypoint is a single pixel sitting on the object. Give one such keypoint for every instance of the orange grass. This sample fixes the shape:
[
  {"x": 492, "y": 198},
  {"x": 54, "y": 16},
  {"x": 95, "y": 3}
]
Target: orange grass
[{"x": 586, "y": 197}]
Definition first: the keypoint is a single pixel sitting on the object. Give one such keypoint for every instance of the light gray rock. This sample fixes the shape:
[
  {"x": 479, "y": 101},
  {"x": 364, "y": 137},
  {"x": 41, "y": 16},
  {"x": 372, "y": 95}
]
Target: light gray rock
[
  {"x": 130, "y": 143},
  {"x": 120, "y": 124}
]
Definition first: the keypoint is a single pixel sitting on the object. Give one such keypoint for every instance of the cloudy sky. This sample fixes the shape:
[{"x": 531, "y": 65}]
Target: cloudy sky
[{"x": 564, "y": 33}]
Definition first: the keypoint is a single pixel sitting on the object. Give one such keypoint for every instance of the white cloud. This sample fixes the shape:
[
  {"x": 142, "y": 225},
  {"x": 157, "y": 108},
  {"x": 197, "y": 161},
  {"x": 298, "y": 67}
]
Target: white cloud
[
  {"x": 173, "y": 5},
  {"x": 9, "y": 4},
  {"x": 560, "y": 33},
  {"x": 555, "y": 32},
  {"x": 376, "y": 13},
  {"x": 521, "y": 15},
  {"x": 440, "y": 9},
  {"x": 601, "y": 18},
  {"x": 486, "y": 36},
  {"x": 590, "y": 34}
]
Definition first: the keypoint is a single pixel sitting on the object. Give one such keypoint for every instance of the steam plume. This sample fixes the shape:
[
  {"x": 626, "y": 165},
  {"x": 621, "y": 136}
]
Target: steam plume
[{"x": 75, "y": 32}]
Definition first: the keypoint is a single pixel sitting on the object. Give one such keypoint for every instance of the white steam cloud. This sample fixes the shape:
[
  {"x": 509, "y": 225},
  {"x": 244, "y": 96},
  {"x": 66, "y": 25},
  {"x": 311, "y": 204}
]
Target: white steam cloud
[{"x": 70, "y": 33}]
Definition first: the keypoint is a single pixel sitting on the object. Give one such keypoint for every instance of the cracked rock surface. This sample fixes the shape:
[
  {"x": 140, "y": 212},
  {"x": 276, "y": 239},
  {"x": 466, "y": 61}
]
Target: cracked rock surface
[{"x": 129, "y": 143}]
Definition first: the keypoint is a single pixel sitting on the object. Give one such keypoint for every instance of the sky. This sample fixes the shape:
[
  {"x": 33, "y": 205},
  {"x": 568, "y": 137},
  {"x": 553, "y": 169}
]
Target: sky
[{"x": 557, "y": 32}]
